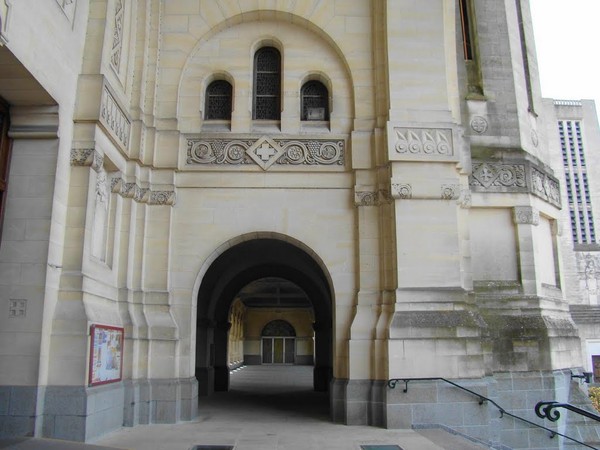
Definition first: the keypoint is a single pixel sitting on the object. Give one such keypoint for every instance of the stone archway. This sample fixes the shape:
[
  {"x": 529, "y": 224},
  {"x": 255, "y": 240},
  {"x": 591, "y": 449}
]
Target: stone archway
[{"x": 238, "y": 266}]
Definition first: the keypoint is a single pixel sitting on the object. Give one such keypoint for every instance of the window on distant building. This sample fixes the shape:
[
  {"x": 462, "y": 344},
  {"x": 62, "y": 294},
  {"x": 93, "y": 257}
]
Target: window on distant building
[
  {"x": 576, "y": 180},
  {"x": 218, "y": 101},
  {"x": 267, "y": 84},
  {"x": 4, "y": 159}
]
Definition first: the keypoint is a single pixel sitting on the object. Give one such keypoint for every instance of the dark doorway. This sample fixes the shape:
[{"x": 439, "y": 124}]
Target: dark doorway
[{"x": 238, "y": 267}]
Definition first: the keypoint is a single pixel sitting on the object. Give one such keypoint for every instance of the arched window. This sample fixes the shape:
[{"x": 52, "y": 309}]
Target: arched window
[
  {"x": 278, "y": 328},
  {"x": 315, "y": 101},
  {"x": 267, "y": 84},
  {"x": 218, "y": 101}
]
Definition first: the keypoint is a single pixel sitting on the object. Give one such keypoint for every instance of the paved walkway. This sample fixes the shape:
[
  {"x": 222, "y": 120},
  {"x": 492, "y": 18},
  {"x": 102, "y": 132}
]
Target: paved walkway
[{"x": 270, "y": 408}]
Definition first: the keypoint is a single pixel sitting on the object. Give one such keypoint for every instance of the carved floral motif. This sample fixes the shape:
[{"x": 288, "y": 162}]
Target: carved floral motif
[
  {"x": 401, "y": 191},
  {"x": 424, "y": 141},
  {"x": 488, "y": 176},
  {"x": 450, "y": 191}
]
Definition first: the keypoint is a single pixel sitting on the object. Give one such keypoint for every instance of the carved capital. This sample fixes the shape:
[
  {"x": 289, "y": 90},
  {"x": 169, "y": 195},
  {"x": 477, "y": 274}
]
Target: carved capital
[
  {"x": 162, "y": 198},
  {"x": 82, "y": 156},
  {"x": 366, "y": 198},
  {"x": 526, "y": 215}
]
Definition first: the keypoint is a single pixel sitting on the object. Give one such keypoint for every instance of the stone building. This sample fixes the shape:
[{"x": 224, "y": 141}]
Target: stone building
[
  {"x": 361, "y": 185},
  {"x": 575, "y": 156}
]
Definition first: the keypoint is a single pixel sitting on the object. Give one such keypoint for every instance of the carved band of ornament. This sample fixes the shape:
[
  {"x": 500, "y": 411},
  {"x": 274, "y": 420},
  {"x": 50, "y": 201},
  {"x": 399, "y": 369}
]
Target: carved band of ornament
[
  {"x": 141, "y": 195},
  {"x": 371, "y": 198},
  {"x": 526, "y": 215},
  {"x": 401, "y": 191},
  {"x": 114, "y": 118},
  {"x": 265, "y": 152},
  {"x": 115, "y": 56},
  {"x": 524, "y": 177},
  {"x": 87, "y": 157},
  {"x": 424, "y": 141}
]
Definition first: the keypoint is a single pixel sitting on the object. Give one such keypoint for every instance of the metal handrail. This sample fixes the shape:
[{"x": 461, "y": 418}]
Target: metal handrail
[
  {"x": 546, "y": 410},
  {"x": 482, "y": 399}
]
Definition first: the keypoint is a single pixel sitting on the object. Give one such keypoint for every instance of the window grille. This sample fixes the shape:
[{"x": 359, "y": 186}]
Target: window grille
[
  {"x": 218, "y": 101},
  {"x": 315, "y": 101},
  {"x": 267, "y": 84}
]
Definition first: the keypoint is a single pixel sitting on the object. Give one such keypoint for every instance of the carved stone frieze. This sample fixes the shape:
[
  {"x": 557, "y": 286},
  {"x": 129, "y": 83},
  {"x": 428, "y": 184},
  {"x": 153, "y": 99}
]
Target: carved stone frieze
[
  {"x": 265, "y": 152},
  {"x": 526, "y": 215},
  {"x": 113, "y": 118},
  {"x": 545, "y": 186},
  {"x": 492, "y": 176},
  {"x": 415, "y": 143}
]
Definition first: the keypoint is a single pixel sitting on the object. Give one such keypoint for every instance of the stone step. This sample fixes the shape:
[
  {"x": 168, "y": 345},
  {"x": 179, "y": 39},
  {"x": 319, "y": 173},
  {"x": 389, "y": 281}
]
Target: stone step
[{"x": 448, "y": 440}]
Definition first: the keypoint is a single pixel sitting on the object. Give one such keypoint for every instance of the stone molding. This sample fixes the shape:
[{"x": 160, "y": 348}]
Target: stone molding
[
  {"x": 113, "y": 117},
  {"x": 491, "y": 176},
  {"x": 526, "y": 215},
  {"x": 419, "y": 143},
  {"x": 265, "y": 151},
  {"x": 89, "y": 157}
]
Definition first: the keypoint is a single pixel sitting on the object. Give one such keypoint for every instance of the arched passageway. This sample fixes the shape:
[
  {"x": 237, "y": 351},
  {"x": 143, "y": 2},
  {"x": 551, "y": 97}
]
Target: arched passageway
[{"x": 232, "y": 271}]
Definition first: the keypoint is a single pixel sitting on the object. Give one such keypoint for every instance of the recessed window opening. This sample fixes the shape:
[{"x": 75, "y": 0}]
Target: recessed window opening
[
  {"x": 315, "y": 101},
  {"x": 218, "y": 101},
  {"x": 466, "y": 29},
  {"x": 267, "y": 84}
]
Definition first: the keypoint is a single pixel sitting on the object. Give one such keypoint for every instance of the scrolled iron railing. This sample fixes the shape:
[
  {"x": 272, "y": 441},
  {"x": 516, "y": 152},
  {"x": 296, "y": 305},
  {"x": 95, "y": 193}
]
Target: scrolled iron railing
[
  {"x": 547, "y": 410},
  {"x": 503, "y": 412}
]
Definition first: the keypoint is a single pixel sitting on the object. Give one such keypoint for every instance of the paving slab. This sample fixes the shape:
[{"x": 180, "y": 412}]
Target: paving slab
[{"x": 267, "y": 408}]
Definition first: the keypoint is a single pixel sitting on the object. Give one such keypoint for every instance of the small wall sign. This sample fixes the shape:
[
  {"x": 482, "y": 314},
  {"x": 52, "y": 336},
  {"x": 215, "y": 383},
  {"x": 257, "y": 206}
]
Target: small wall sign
[{"x": 106, "y": 354}]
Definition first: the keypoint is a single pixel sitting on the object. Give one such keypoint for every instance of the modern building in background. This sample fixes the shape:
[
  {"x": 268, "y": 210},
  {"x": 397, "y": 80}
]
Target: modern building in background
[
  {"x": 575, "y": 150},
  {"x": 363, "y": 186}
]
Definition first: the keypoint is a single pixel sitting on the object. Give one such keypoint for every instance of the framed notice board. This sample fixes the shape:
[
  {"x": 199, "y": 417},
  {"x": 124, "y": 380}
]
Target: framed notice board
[{"x": 106, "y": 354}]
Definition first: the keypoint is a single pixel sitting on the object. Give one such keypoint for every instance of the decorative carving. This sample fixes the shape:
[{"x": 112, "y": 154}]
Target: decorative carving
[
  {"x": 265, "y": 152},
  {"x": 366, "y": 198},
  {"x": 424, "y": 141},
  {"x": 479, "y": 125},
  {"x": 82, "y": 156},
  {"x": 450, "y": 191},
  {"x": 17, "y": 308},
  {"x": 526, "y": 215},
  {"x": 114, "y": 118},
  {"x": 488, "y": 176},
  {"x": 535, "y": 140},
  {"x": 101, "y": 188},
  {"x": 141, "y": 195},
  {"x": 545, "y": 186},
  {"x": 117, "y": 44},
  {"x": 162, "y": 198},
  {"x": 401, "y": 191},
  {"x": 499, "y": 175},
  {"x": 465, "y": 199}
]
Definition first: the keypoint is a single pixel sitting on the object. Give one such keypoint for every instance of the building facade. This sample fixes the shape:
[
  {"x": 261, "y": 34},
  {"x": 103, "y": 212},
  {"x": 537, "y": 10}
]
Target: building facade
[
  {"x": 362, "y": 185},
  {"x": 575, "y": 157}
]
